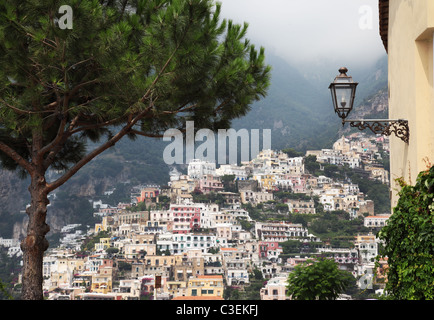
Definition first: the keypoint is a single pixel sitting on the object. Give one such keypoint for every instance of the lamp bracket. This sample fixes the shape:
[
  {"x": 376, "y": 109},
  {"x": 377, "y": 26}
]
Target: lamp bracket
[{"x": 383, "y": 126}]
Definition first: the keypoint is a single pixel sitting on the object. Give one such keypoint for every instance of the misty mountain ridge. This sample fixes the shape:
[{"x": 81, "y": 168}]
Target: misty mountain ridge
[{"x": 297, "y": 109}]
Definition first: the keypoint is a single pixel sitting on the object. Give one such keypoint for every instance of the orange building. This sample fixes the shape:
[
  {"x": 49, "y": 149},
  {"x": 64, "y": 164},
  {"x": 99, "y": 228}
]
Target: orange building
[{"x": 148, "y": 193}]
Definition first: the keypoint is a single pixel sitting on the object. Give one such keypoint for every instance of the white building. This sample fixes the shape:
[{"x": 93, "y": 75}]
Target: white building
[
  {"x": 160, "y": 218},
  {"x": 368, "y": 248},
  {"x": 239, "y": 172},
  {"x": 9, "y": 242},
  {"x": 275, "y": 289},
  {"x": 180, "y": 243},
  {"x": 129, "y": 288},
  {"x": 279, "y": 231},
  {"x": 376, "y": 221},
  {"x": 198, "y": 168},
  {"x": 12, "y": 251},
  {"x": 236, "y": 272},
  {"x": 238, "y": 213},
  {"x": 248, "y": 196}
]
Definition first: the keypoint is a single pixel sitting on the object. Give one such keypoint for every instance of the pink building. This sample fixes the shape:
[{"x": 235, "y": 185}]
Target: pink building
[
  {"x": 269, "y": 249},
  {"x": 210, "y": 183},
  {"x": 186, "y": 217}
]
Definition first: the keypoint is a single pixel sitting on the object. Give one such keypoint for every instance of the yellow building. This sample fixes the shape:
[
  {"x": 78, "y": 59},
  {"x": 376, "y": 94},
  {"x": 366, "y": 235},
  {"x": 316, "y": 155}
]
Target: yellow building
[
  {"x": 266, "y": 181},
  {"x": 181, "y": 188},
  {"x": 58, "y": 271},
  {"x": 206, "y": 286},
  {"x": 104, "y": 243},
  {"x": 102, "y": 281},
  {"x": 406, "y": 28},
  {"x": 104, "y": 225}
]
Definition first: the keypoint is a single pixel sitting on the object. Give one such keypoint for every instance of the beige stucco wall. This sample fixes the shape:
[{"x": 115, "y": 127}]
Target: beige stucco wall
[{"x": 411, "y": 93}]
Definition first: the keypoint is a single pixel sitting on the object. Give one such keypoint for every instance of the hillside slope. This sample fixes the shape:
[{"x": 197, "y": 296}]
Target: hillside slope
[{"x": 297, "y": 109}]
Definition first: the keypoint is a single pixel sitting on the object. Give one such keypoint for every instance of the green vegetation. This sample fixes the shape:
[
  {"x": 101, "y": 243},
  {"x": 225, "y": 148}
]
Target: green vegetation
[
  {"x": 318, "y": 280},
  {"x": 375, "y": 190},
  {"x": 121, "y": 193},
  {"x": 292, "y": 153},
  {"x": 311, "y": 165},
  {"x": 338, "y": 228},
  {"x": 250, "y": 291},
  {"x": 295, "y": 247},
  {"x": 211, "y": 197},
  {"x": 89, "y": 242},
  {"x": 229, "y": 184},
  {"x": 409, "y": 241},
  {"x": 9, "y": 269}
]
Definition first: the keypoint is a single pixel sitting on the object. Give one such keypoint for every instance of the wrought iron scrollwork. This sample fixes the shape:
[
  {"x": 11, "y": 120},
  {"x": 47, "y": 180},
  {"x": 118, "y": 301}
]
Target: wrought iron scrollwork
[{"x": 384, "y": 127}]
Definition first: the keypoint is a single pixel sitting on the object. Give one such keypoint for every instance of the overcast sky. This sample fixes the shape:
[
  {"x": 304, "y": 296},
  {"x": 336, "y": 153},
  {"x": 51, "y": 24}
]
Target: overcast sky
[{"x": 311, "y": 30}]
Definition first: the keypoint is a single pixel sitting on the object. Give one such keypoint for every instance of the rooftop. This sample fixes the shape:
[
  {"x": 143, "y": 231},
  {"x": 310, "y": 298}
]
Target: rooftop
[
  {"x": 384, "y": 21},
  {"x": 219, "y": 276}
]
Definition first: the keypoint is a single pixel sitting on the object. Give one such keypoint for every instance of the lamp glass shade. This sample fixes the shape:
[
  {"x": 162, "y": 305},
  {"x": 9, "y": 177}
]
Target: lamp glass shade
[{"x": 343, "y": 91}]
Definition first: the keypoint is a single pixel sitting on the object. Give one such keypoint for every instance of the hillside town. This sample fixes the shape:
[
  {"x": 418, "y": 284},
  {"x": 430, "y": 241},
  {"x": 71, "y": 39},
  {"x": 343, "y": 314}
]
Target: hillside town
[{"x": 199, "y": 237}]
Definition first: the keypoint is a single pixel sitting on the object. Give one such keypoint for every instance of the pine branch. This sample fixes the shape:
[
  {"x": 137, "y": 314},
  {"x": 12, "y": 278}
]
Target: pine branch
[
  {"x": 161, "y": 72},
  {"x": 218, "y": 108},
  {"x": 81, "y": 85},
  {"x": 85, "y": 127},
  {"x": 181, "y": 109},
  {"x": 22, "y": 111},
  {"x": 97, "y": 151},
  {"x": 56, "y": 140},
  {"x": 78, "y": 63},
  {"x": 16, "y": 157}
]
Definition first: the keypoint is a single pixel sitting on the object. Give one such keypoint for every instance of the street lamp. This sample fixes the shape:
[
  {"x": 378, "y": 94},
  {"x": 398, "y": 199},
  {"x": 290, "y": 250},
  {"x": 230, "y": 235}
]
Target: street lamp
[{"x": 343, "y": 90}]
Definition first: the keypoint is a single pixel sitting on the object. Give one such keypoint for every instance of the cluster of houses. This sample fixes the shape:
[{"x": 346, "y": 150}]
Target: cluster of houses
[
  {"x": 357, "y": 152},
  {"x": 194, "y": 250}
]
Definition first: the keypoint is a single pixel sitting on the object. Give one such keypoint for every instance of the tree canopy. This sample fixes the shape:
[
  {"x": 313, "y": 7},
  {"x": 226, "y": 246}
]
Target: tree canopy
[
  {"x": 122, "y": 68},
  {"x": 318, "y": 280},
  {"x": 148, "y": 64}
]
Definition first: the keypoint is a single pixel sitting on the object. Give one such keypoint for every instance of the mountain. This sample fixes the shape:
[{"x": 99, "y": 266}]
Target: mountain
[{"x": 297, "y": 109}]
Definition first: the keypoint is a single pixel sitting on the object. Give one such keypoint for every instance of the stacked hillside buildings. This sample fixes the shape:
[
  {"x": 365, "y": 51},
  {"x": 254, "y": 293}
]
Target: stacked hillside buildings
[{"x": 193, "y": 250}]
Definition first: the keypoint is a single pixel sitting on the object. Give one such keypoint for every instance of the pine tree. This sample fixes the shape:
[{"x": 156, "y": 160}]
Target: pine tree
[{"x": 121, "y": 68}]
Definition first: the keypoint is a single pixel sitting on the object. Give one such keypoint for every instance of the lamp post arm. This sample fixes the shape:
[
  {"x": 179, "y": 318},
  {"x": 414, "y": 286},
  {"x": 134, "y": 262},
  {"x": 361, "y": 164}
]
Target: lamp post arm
[{"x": 383, "y": 126}]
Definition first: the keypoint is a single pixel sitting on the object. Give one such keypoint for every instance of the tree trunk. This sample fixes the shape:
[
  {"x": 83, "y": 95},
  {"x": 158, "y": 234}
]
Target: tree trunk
[{"x": 35, "y": 244}]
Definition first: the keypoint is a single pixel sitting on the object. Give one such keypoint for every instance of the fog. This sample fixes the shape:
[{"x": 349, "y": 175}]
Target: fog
[{"x": 309, "y": 32}]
